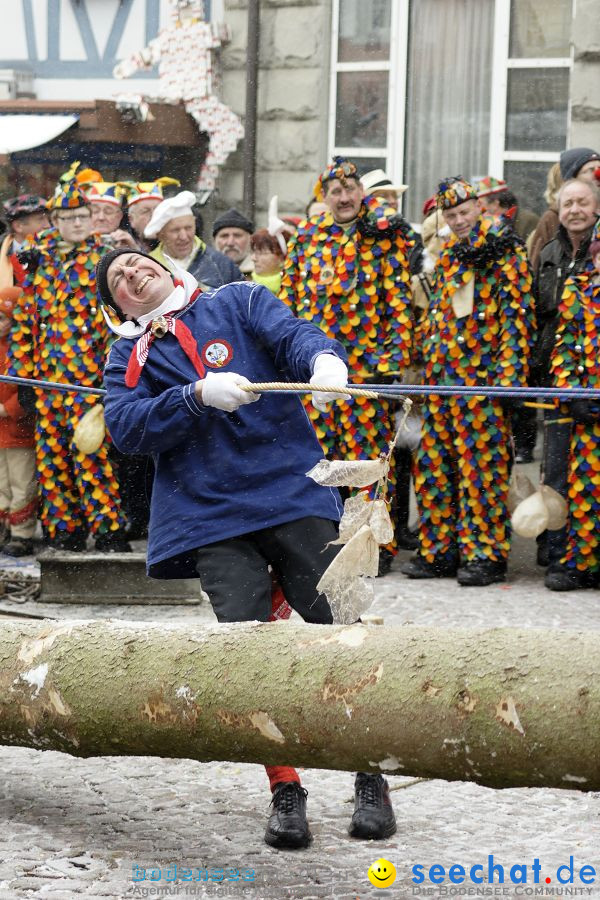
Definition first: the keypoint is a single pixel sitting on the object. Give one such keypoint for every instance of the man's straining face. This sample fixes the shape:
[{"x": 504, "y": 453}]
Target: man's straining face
[
  {"x": 343, "y": 199},
  {"x": 138, "y": 285}
]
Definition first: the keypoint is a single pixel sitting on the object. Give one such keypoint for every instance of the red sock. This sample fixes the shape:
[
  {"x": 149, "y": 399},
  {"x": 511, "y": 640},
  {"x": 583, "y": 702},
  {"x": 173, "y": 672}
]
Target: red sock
[{"x": 279, "y": 774}]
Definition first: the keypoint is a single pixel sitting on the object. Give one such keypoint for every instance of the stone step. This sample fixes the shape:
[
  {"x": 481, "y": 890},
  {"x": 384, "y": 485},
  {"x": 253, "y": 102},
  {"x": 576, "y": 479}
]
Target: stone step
[{"x": 101, "y": 578}]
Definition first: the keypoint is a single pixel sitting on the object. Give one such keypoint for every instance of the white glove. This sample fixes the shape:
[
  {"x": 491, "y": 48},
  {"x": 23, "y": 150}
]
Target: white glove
[
  {"x": 220, "y": 389},
  {"x": 329, "y": 371}
]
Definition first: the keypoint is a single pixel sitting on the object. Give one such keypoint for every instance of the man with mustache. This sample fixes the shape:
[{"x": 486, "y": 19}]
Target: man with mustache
[{"x": 347, "y": 271}]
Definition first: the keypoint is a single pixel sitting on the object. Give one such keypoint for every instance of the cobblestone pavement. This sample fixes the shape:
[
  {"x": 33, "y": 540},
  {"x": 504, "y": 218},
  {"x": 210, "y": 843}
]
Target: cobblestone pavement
[{"x": 74, "y": 828}]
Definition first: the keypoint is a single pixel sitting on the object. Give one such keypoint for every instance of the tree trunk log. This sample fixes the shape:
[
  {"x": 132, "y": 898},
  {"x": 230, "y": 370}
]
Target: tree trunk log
[{"x": 502, "y": 707}]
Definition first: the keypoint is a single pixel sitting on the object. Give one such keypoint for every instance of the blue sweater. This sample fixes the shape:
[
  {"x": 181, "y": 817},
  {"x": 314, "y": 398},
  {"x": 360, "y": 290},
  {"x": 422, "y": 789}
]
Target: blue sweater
[{"x": 217, "y": 474}]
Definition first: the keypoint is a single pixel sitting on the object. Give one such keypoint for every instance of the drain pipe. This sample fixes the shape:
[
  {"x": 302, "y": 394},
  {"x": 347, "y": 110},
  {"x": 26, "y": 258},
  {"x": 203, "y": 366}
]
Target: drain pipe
[{"x": 252, "y": 53}]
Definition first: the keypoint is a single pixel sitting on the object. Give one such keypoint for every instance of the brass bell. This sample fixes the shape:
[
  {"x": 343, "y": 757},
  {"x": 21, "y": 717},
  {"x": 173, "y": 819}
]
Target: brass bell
[{"x": 159, "y": 327}]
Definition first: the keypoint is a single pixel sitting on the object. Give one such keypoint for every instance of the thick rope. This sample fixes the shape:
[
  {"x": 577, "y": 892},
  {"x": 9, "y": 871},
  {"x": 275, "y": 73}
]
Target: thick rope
[{"x": 302, "y": 388}]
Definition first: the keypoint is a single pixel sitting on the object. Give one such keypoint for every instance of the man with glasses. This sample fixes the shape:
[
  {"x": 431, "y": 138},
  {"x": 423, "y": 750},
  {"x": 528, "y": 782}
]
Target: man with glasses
[{"x": 60, "y": 335}]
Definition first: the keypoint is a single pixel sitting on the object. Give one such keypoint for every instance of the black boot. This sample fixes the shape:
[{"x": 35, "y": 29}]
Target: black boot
[
  {"x": 373, "y": 817},
  {"x": 407, "y": 539},
  {"x": 73, "y": 541},
  {"x": 480, "y": 572},
  {"x": 287, "y": 826},
  {"x": 18, "y": 547},
  {"x": 560, "y": 578},
  {"x": 113, "y": 542},
  {"x": 386, "y": 558},
  {"x": 442, "y": 567}
]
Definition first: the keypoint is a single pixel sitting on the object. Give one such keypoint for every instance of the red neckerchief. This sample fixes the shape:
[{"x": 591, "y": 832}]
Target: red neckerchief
[{"x": 158, "y": 328}]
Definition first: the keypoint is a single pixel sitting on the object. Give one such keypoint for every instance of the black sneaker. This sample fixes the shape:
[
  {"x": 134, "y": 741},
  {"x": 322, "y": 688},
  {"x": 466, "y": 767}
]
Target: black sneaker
[
  {"x": 441, "y": 567},
  {"x": 287, "y": 826},
  {"x": 480, "y": 572},
  {"x": 560, "y": 578},
  {"x": 18, "y": 547},
  {"x": 113, "y": 542},
  {"x": 373, "y": 817}
]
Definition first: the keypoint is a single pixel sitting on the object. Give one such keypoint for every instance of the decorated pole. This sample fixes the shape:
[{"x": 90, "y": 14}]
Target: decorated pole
[{"x": 503, "y": 707}]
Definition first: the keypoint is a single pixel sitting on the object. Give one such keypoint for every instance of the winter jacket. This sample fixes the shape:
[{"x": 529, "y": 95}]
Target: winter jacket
[
  {"x": 218, "y": 474},
  {"x": 209, "y": 267},
  {"x": 556, "y": 265}
]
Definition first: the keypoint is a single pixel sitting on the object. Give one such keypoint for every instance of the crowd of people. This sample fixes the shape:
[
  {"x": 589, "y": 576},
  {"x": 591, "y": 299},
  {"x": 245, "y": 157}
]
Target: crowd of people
[
  {"x": 111, "y": 285},
  {"x": 475, "y": 294}
]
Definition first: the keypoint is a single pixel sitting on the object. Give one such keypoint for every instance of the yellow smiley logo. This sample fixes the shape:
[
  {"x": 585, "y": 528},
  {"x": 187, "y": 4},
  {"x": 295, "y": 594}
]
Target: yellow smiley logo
[{"x": 382, "y": 873}]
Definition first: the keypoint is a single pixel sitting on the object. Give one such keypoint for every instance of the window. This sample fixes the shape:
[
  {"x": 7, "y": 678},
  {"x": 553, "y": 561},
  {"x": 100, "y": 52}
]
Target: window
[
  {"x": 430, "y": 88},
  {"x": 530, "y": 118},
  {"x": 368, "y": 74}
]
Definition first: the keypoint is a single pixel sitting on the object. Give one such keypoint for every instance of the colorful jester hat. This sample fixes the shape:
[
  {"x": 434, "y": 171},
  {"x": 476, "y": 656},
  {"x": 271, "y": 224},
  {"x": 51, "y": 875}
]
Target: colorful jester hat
[
  {"x": 149, "y": 190},
  {"x": 453, "y": 191},
  {"x": 109, "y": 192},
  {"x": 488, "y": 186},
  {"x": 82, "y": 177},
  {"x": 340, "y": 168},
  {"x": 68, "y": 195}
]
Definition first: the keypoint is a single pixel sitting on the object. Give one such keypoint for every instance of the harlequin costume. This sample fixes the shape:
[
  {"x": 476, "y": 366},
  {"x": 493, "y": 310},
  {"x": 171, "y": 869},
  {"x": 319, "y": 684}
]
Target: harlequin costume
[
  {"x": 18, "y": 486},
  {"x": 477, "y": 331},
  {"x": 60, "y": 335},
  {"x": 353, "y": 282},
  {"x": 574, "y": 363}
]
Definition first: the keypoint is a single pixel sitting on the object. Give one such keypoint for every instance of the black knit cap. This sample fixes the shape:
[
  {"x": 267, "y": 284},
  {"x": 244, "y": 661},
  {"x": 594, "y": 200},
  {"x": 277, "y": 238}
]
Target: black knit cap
[
  {"x": 102, "y": 289},
  {"x": 233, "y": 219},
  {"x": 571, "y": 161}
]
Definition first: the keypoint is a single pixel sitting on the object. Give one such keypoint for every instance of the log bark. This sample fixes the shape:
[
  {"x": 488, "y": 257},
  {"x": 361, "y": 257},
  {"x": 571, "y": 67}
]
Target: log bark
[{"x": 502, "y": 707}]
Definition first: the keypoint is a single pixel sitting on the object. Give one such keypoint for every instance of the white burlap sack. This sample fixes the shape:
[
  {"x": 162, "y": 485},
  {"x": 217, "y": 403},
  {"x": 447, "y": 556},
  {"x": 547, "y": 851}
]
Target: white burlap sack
[
  {"x": 530, "y": 517},
  {"x": 556, "y": 506},
  {"x": 351, "y": 473},
  {"x": 520, "y": 488},
  {"x": 90, "y": 430}
]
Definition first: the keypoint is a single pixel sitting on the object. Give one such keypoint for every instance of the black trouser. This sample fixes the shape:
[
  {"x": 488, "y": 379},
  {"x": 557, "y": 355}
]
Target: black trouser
[
  {"x": 400, "y": 505},
  {"x": 557, "y": 446},
  {"x": 523, "y": 422},
  {"x": 234, "y": 572}
]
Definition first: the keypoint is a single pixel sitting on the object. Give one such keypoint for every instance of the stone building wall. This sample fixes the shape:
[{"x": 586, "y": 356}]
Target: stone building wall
[
  {"x": 293, "y": 93},
  {"x": 585, "y": 81}
]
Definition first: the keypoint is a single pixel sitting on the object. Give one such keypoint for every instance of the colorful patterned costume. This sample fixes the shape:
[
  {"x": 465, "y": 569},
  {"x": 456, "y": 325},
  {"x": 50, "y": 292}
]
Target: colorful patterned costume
[
  {"x": 463, "y": 461},
  {"x": 353, "y": 282},
  {"x": 575, "y": 362},
  {"x": 60, "y": 335}
]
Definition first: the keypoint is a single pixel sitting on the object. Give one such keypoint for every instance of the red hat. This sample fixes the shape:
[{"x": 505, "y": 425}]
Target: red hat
[
  {"x": 8, "y": 299},
  {"x": 429, "y": 205}
]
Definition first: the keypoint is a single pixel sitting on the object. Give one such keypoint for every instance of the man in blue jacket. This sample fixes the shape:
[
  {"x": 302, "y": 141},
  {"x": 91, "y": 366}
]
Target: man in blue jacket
[{"x": 230, "y": 495}]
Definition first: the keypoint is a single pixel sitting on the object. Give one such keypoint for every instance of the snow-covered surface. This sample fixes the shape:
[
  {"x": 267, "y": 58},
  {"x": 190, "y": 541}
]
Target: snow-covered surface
[{"x": 71, "y": 828}]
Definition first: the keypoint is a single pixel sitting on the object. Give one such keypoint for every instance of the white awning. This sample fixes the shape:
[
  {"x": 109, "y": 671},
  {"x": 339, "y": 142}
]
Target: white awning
[{"x": 21, "y": 132}]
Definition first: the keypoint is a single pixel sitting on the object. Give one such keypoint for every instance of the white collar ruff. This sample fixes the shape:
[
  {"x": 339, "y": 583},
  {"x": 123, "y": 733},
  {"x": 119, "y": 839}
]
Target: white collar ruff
[{"x": 179, "y": 297}]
